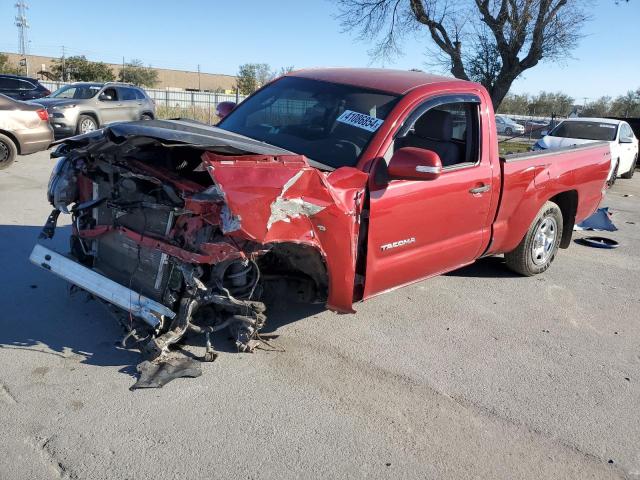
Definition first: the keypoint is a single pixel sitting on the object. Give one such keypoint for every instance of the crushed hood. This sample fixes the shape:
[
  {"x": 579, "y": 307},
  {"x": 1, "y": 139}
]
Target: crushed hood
[{"x": 185, "y": 132}]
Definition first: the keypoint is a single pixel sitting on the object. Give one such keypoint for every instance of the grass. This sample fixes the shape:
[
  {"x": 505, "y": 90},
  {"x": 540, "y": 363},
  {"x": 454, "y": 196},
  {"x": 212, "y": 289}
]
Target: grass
[
  {"x": 507, "y": 148},
  {"x": 202, "y": 114}
]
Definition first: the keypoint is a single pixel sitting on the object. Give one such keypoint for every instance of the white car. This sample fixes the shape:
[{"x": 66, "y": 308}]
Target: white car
[
  {"x": 576, "y": 131},
  {"x": 506, "y": 126}
]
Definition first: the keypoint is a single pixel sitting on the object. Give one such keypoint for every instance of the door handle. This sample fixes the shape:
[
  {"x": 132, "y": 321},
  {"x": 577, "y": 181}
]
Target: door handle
[{"x": 480, "y": 189}]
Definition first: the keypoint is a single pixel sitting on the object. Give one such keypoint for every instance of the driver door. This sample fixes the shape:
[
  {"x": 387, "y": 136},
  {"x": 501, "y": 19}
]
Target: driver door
[
  {"x": 110, "y": 106},
  {"x": 420, "y": 228}
]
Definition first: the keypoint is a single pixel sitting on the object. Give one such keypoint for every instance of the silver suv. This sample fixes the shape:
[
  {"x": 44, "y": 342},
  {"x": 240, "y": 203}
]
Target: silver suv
[{"x": 82, "y": 107}]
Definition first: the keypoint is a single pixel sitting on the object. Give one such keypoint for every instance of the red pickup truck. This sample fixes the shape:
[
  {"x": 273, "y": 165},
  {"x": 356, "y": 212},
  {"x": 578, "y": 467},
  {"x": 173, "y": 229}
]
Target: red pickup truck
[{"x": 328, "y": 185}]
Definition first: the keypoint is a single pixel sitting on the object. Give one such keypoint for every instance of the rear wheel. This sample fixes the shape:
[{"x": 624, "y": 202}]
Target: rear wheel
[
  {"x": 8, "y": 151},
  {"x": 146, "y": 116},
  {"x": 508, "y": 131},
  {"x": 539, "y": 246},
  {"x": 86, "y": 124},
  {"x": 629, "y": 174}
]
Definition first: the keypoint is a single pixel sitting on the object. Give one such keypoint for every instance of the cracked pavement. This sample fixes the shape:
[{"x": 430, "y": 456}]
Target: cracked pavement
[{"x": 475, "y": 374}]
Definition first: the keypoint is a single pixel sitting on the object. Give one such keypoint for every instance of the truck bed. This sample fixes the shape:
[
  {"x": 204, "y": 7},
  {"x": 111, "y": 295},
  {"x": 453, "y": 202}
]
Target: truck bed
[{"x": 529, "y": 179}]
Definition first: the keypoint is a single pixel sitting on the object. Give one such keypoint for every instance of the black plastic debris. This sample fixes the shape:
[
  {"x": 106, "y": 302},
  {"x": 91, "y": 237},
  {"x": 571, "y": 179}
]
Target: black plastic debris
[
  {"x": 156, "y": 375},
  {"x": 600, "y": 221},
  {"x": 598, "y": 242}
]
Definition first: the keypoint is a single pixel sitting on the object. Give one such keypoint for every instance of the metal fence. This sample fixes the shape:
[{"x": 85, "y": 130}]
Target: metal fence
[{"x": 179, "y": 103}]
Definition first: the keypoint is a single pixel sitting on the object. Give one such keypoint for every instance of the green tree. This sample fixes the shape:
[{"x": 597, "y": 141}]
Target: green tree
[
  {"x": 79, "y": 69},
  {"x": 598, "y": 108},
  {"x": 5, "y": 66},
  {"x": 252, "y": 76},
  {"x": 136, "y": 73},
  {"x": 515, "y": 104},
  {"x": 627, "y": 105},
  {"x": 247, "y": 81}
]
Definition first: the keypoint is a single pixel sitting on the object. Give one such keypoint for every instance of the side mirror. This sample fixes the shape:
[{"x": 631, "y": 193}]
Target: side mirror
[
  {"x": 626, "y": 140},
  {"x": 105, "y": 98},
  {"x": 544, "y": 133},
  {"x": 410, "y": 163}
]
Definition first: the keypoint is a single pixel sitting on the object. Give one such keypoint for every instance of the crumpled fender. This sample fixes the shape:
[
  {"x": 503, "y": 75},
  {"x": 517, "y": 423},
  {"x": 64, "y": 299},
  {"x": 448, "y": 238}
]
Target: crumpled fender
[{"x": 283, "y": 199}]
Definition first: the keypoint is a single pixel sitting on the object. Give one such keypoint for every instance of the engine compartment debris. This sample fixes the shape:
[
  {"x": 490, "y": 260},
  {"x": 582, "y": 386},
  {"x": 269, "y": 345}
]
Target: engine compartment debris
[{"x": 179, "y": 238}]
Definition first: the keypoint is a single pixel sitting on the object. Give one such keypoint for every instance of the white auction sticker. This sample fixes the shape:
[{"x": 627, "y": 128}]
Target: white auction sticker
[{"x": 360, "y": 120}]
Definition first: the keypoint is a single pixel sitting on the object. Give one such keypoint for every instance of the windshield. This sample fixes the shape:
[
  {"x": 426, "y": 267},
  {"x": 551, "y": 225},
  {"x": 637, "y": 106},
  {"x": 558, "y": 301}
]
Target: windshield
[
  {"x": 78, "y": 92},
  {"x": 586, "y": 131},
  {"x": 328, "y": 123}
]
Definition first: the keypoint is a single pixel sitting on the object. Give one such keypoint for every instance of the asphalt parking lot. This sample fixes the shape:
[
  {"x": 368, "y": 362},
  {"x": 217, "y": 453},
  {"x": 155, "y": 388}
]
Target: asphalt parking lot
[{"x": 475, "y": 374}]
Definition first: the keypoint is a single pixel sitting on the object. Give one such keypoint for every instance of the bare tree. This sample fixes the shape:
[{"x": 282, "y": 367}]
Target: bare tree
[{"x": 489, "y": 41}]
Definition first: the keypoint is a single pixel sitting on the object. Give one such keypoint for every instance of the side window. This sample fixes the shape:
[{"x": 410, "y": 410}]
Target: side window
[
  {"x": 24, "y": 85},
  {"x": 626, "y": 131},
  {"x": 127, "y": 93},
  {"x": 109, "y": 92},
  {"x": 450, "y": 130},
  {"x": 10, "y": 83},
  {"x": 139, "y": 94}
]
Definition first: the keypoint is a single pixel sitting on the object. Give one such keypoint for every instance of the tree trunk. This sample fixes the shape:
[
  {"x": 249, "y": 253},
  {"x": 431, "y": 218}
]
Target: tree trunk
[{"x": 500, "y": 87}]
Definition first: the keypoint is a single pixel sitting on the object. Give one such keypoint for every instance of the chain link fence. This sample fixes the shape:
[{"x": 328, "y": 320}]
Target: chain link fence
[{"x": 170, "y": 103}]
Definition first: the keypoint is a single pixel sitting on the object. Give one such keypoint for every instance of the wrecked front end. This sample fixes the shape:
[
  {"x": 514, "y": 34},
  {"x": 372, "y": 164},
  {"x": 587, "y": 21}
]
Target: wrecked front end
[{"x": 192, "y": 232}]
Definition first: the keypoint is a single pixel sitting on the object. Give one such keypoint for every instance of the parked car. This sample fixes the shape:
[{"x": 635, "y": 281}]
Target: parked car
[
  {"x": 578, "y": 131},
  {"x": 24, "y": 129},
  {"x": 506, "y": 126},
  {"x": 83, "y": 107},
  {"x": 327, "y": 185},
  {"x": 22, "y": 88},
  {"x": 534, "y": 128}
]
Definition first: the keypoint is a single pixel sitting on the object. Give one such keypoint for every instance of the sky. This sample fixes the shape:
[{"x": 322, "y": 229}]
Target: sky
[{"x": 181, "y": 35}]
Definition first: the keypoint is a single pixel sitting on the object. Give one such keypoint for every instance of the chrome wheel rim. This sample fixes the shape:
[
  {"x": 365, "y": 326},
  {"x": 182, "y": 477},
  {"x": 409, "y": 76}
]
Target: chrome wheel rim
[
  {"x": 87, "y": 125},
  {"x": 4, "y": 152},
  {"x": 544, "y": 240}
]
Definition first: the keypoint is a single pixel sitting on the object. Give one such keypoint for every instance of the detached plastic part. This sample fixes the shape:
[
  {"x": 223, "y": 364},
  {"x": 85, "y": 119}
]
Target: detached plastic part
[
  {"x": 598, "y": 242},
  {"x": 157, "y": 375}
]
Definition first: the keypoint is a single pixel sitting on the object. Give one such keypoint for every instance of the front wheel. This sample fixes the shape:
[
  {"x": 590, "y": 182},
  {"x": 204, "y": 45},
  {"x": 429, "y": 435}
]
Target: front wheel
[
  {"x": 629, "y": 174},
  {"x": 86, "y": 124},
  {"x": 539, "y": 246},
  {"x": 508, "y": 131},
  {"x": 8, "y": 151},
  {"x": 146, "y": 116}
]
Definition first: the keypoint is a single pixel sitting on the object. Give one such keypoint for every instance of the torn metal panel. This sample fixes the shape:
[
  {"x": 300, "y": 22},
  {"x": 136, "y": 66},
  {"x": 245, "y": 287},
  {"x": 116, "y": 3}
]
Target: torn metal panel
[{"x": 283, "y": 199}]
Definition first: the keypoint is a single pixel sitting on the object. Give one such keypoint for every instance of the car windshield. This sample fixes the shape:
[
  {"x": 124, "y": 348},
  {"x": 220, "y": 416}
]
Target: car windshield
[
  {"x": 329, "y": 123},
  {"x": 586, "y": 131},
  {"x": 78, "y": 92}
]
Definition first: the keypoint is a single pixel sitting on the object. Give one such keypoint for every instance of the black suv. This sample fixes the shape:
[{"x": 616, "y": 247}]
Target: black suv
[{"x": 22, "y": 88}]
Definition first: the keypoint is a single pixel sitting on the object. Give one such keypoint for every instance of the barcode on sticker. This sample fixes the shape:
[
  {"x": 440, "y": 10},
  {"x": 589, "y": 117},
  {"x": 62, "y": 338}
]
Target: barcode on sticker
[{"x": 360, "y": 120}]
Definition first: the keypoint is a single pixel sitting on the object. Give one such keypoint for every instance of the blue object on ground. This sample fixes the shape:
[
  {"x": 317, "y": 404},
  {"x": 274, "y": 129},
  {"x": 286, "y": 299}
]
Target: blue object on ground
[{"x": 599, "y": 222}]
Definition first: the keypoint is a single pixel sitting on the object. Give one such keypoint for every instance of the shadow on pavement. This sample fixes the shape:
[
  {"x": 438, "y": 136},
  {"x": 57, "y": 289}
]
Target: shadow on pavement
[
  {"x": 39, "y": 314},
  {"x": 488, "y": 267}
]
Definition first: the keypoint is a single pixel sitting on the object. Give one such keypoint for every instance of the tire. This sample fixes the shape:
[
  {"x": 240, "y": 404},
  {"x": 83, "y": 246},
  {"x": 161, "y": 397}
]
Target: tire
[
  {"x": 614, "y": 175},
  {"x": 631, "y": 171},
  {"x": 8, "y": 151},
  {"x": 539, "y": 246},
  {"x": 508, "y": 131},
  {"x": 146, "y": 116},
  {"x": 86, "y": 123}
]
